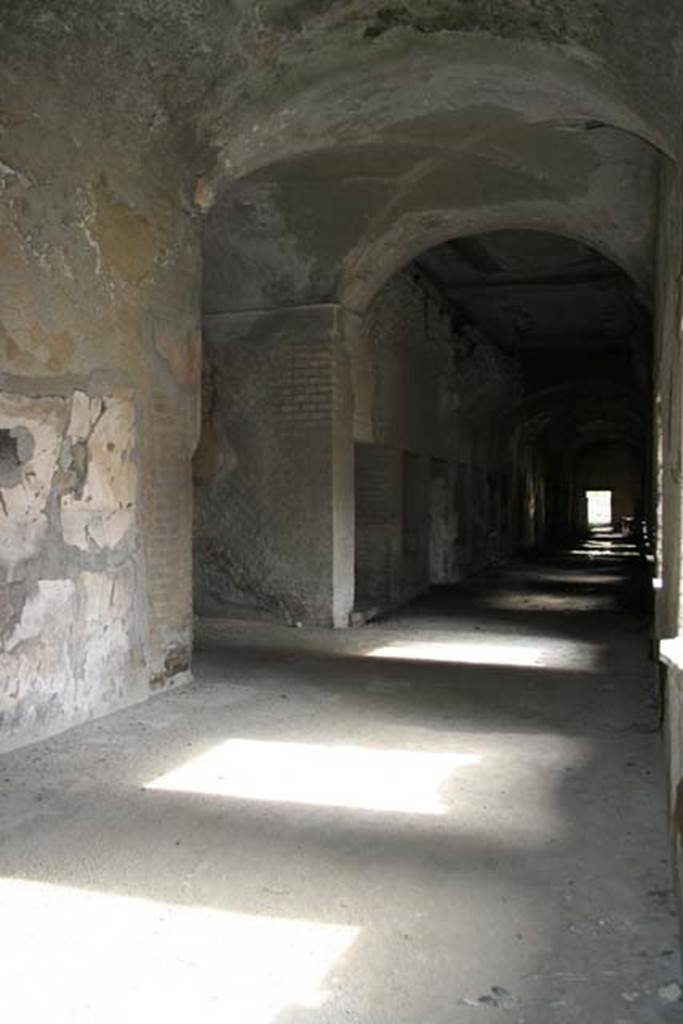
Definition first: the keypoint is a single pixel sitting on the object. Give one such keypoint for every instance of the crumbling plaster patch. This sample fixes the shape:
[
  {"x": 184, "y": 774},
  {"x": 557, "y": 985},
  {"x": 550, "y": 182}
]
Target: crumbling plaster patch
[
  {"x": 23, "y": 505},
  {"x": 96, "y": 230},
  {"x": 36, "y": 670},
  {"x": 106, "y": 606},
  {"x": 98, "y": 510},
  {"x": 124, "y": 239},
  {"x": 82, "y": 447},
  {"x": 50, "y": 601},
  {"x": 70, "y": 654},
  {"x": 71, "y": 633}
]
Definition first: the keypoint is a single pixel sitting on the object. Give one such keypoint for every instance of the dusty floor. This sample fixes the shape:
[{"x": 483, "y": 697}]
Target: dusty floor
[{"x": 456, "y": 815}]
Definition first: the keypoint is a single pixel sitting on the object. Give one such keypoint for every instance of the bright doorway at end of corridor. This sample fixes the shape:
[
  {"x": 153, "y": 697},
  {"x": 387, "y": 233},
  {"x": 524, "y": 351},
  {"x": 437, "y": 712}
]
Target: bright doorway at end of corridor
[{"x": 599, "y": 508}]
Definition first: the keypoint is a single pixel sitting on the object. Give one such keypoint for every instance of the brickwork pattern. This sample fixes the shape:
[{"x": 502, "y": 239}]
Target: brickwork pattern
[
  {"x": 263, "y": 536},
  {"x": 301, "y": 385},
  {"x": 422, "y": 379},
  {"x": 167, "y": 519}
]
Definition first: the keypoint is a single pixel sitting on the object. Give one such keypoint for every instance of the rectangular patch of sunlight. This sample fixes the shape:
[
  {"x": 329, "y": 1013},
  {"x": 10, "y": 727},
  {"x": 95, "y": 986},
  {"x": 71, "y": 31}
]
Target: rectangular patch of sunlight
[
  {"x": 530, "y": 652},
  {"x": 469, "y": 653},
  {"x": 360, "y": 778},
  {"x": 601, "y": 552},
  {"x": 107, "y": 958}
]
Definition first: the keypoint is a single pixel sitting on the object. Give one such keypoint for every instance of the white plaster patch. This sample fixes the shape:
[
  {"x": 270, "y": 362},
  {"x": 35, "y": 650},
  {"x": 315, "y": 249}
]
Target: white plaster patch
[
  {"x": 105, "y": 616},
  {"x": 36, "y": 672},
  {"x": 48, "y": 602},
  {"x": 70, "y": 656},
  {"x": 102, "y": 512},
  {"x": 84, "y": 412},
  {"x": 23, "y": 504}
]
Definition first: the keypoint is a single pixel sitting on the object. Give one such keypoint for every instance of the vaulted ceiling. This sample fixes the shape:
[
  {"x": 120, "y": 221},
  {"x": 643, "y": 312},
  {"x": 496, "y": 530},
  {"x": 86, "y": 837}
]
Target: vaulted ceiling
[{"x": 529, "y": 289}]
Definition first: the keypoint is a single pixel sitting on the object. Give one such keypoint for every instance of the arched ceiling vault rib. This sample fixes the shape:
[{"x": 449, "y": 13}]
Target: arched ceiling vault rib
[
  {"x": 355, "y": 98},
  {"x": 416, "y": 233}
]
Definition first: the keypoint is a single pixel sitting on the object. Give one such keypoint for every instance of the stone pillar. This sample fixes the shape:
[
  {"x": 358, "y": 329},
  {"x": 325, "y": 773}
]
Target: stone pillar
[
  {"x": 274, "y": 470},
  {"x": 667, "y": 416}
]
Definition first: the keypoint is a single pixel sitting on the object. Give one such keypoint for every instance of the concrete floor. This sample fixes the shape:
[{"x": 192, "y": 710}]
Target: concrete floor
[{"x": 453, "y": 816}]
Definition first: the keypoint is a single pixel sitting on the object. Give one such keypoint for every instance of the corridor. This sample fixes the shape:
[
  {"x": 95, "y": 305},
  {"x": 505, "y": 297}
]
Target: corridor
[{"x": 453, "y": 815}]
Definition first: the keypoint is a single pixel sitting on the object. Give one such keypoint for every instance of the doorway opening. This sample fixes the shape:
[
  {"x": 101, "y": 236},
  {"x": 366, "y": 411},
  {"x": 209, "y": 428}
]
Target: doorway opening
[{"x": 599, "y": 508}]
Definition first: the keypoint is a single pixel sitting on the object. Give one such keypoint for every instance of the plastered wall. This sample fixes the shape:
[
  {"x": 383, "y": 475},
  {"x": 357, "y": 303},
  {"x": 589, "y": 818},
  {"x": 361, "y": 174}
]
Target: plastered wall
[{"x": 99, "y": 386}]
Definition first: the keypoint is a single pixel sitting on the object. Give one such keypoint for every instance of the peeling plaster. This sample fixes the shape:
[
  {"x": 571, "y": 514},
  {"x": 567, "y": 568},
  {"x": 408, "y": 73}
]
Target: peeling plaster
[
  {"x": 23, "y": 506},
  {"x": 70, "y": 653},
  {"x": 51, "y": 599},
  {"x": 99, "y": 511},
  {"x": 68, "y": 575}
]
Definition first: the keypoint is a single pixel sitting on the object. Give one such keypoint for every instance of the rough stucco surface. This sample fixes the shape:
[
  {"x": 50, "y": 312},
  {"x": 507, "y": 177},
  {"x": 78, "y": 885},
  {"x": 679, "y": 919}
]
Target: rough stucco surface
[
  {"x": 71, "y": 643},
  {"x": 99, "y": 371},
  {"x": 99, "y": 512},
  {"x": 264, "y": 523},
  {"x": 24, "y": 501},
  {"x": 276, "y": 238}
]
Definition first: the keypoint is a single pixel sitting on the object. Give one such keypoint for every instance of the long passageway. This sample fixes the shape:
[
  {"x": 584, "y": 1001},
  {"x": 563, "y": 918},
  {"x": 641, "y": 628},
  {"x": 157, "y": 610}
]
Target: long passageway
[{"x": 454, "y": 815}]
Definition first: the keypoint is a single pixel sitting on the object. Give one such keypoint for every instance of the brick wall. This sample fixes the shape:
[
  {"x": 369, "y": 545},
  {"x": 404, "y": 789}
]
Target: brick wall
[
  {"x": 265, "y": 527},
  {"x": 428, "y": 406},
  {"x": 378, "y": 494},
  {"x": 167, "y": 517}
]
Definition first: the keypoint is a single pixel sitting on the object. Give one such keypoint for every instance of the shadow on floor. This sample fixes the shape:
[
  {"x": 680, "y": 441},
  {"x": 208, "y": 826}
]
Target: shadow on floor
[{"x": 315, "y": 833}]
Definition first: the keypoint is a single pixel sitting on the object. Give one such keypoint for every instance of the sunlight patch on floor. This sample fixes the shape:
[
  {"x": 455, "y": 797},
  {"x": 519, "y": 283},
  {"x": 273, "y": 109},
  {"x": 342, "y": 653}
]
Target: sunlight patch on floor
[
  {"x": 472, "y": 653},
  {"x": 547, "y": 601},
  {"x": 542, "y": 652},
  {"x": 360, "y": 778},
  {"x": 109, "y": 958},
  {"x": 602, "y": 552}
]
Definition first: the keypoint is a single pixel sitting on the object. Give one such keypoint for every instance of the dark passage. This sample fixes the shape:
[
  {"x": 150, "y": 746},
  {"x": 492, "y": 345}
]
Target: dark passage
[{"x": 502, "y": 381}]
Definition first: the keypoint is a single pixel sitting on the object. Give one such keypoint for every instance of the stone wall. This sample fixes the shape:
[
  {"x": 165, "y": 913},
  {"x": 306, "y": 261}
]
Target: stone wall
[
  {"x": 270, "y": 524},
  {"x": 378, "y": 525},
  {"x": 100, "y": 356},
  {"x": 275, "y": 507},
  {"x": 667, "y": 499},
  {"x": 119, "y": 125},
  {"x": 432, "y": 469}
]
